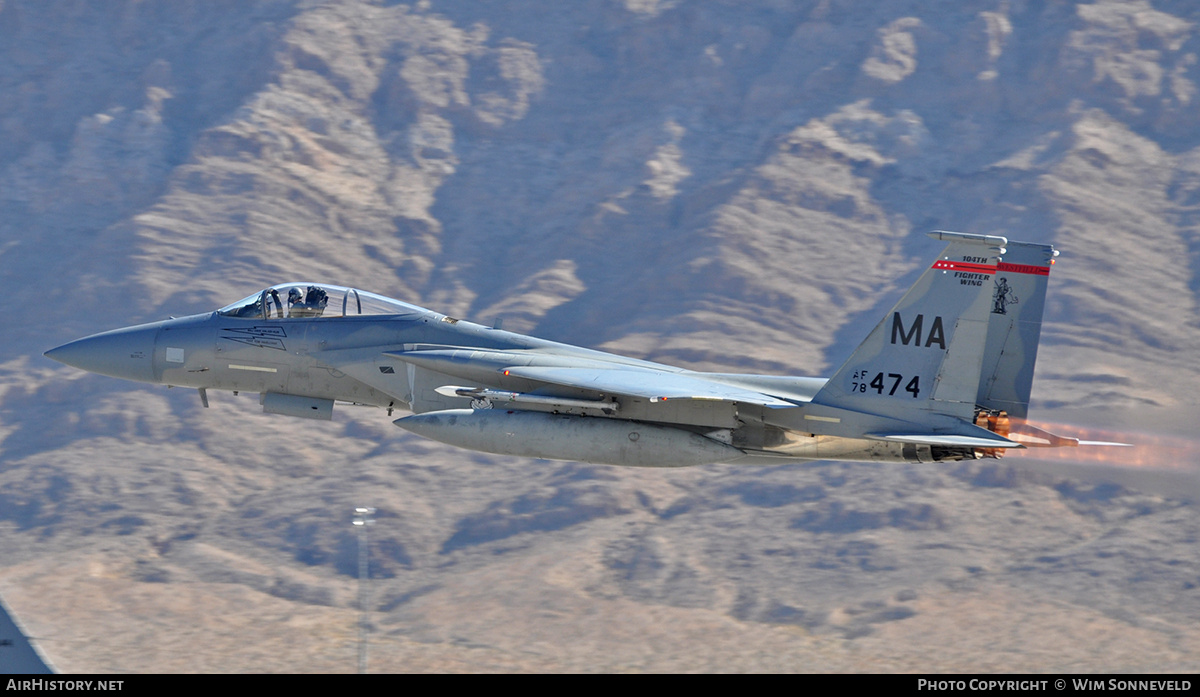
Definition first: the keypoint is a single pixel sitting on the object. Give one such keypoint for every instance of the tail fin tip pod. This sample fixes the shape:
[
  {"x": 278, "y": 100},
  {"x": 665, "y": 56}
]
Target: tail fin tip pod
[{"x": 989, "y": 240}]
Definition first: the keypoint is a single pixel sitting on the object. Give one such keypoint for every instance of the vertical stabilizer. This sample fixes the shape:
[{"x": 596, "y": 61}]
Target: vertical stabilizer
[
  {"x": 925, "y": 356},
  {"x": 1018, "y": 300}
]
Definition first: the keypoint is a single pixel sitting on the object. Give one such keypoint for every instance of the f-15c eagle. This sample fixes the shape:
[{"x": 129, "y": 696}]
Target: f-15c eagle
[{"x": 945, "y": 375}]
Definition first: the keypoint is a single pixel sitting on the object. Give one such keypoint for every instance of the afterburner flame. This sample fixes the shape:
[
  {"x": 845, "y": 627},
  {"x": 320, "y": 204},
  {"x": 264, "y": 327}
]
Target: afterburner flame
[{"x": 1148, "y": 450}]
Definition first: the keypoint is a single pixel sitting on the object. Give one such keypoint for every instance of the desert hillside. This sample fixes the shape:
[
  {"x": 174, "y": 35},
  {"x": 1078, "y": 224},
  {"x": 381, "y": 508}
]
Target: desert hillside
[{"x": 733, "y": 186}]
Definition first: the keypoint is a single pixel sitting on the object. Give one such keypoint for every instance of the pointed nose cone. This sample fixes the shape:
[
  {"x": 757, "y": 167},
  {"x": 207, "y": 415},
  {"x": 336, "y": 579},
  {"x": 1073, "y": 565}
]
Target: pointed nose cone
[{"x": 122, "y": 353}]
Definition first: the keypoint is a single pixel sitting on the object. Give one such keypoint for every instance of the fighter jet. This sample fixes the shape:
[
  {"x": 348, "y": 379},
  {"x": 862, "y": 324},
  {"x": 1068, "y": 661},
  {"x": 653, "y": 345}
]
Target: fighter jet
[{"x": 945, "y": 375}]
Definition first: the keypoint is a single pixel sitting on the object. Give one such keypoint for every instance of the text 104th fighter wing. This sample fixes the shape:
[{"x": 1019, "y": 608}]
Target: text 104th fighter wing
[{"x": 945, "y": 375}]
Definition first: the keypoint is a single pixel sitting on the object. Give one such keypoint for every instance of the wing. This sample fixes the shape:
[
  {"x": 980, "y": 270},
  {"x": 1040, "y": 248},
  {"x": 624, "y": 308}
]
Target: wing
[
  {"x": 637, "y": 389},
  {"x": 651, "y": 385}
]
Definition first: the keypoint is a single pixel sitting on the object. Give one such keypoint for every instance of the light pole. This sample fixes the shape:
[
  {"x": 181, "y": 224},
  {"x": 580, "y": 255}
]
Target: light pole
[{"x": 362, "y": 519}]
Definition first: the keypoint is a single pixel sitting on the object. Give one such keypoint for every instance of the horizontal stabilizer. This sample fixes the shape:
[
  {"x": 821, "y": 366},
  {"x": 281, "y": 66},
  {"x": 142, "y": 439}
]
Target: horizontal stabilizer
[
  {"x": 948, "y": 440},
  {"x": 1035, "y": 437}
]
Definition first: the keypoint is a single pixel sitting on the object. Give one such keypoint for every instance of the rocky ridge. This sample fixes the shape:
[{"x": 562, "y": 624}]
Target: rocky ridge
[{"x": 718, "y": 185}]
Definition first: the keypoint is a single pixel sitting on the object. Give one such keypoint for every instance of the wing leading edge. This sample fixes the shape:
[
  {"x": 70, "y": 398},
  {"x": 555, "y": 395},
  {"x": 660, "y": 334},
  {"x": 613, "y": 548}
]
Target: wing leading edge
[{"x": 647, "y": 384}]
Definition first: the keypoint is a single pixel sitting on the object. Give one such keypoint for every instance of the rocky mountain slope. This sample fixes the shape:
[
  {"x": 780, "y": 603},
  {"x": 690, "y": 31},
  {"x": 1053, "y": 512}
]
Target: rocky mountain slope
[{"x": 718, "y": 185}]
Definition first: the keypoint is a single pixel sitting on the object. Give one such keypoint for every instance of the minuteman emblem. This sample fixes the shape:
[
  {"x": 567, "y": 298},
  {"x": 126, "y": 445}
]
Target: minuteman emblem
[{"x": 1003, "y": 297}]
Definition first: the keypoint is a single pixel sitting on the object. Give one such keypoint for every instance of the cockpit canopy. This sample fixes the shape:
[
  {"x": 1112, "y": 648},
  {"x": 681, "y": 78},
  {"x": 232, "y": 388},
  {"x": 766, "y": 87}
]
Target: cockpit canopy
[{"x": 295, "y": 300}]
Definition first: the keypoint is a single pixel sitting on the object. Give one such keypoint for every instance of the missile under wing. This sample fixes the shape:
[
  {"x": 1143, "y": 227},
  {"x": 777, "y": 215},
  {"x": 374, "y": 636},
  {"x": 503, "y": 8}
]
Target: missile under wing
[{"x": 945, "y": 375}]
